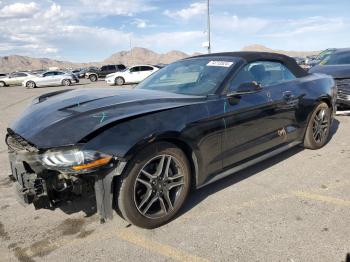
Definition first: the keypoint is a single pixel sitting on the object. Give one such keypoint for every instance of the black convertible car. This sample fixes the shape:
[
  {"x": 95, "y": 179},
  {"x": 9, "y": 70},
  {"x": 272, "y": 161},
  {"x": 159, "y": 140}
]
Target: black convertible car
[
  {"x": 337, "y": 64},
  {"x": 193, "y": 122}
]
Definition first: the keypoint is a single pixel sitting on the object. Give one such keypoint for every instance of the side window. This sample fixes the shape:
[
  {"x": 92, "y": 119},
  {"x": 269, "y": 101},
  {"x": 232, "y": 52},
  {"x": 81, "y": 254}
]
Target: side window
[
  {"x": 104, "y": 68},
  {"x": 146, "y": 68},
  {"x": 135, "y": 69},
  {"x": 59, "y": 73},
  {"x": 338, "y": 59},
  {"x": 111, "y": 67},
  {"x": 21, "y": 75},
  {"x": 121, "y": 67},
  {"x": 14, "y": 75},
  {"x": 265, "y": 73},
  {"x": 48, "y": 74}
]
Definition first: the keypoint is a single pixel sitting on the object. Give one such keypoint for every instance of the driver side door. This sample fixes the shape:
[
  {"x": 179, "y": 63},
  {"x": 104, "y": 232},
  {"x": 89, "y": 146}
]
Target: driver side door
[
  {"x": 47, "y": 79},
  {"x": 253, "y": 121},
  {"x": 134, "y": 74}
]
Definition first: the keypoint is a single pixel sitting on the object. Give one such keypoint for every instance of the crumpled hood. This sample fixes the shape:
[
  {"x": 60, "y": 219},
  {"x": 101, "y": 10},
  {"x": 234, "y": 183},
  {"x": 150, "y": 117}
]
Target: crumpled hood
[
  {"x": 65, "y": 118},
  {"x": 336, "y": 71}
]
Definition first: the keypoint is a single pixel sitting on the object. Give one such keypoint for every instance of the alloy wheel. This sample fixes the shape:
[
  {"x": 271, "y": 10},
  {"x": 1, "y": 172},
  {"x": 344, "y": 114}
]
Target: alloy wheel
[
  {"x": 320, "y": 125},
  {"x": 119, "y": 81},
  {"x": 66, "y": 82},
  {"x": 93, "y": 78},
  {"x": 158, "y": 186},
  {"x": 30, "y": 84}
]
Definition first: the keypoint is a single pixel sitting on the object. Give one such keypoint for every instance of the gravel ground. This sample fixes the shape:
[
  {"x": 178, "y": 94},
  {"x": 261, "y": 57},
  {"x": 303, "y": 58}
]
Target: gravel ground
[{"x": 294, "y": 207}]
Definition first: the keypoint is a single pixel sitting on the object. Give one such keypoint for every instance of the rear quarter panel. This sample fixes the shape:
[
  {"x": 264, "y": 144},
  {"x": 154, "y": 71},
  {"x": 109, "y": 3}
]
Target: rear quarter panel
[{"x": 313, "y": 89}]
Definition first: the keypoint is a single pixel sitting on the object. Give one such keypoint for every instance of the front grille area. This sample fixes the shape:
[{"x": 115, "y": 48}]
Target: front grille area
[
  {"x": 343, "y": 86},
  {"x": 17, "y": 143}
]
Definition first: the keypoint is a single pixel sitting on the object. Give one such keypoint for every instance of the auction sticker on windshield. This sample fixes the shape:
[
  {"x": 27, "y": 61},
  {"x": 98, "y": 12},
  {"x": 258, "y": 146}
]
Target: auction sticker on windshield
[{"x": 220, "y": 63}]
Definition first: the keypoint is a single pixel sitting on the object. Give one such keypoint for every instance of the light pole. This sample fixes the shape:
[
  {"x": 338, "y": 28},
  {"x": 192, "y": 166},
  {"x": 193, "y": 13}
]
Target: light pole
[{"x": 208, "y": 27}]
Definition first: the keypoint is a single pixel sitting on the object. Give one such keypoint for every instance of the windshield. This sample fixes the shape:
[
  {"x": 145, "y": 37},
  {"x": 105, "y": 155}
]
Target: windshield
[
  {"x": 342, "y": 58},
  {"x": 321, "y": 56},
  {"x": 196, "y": 76}
]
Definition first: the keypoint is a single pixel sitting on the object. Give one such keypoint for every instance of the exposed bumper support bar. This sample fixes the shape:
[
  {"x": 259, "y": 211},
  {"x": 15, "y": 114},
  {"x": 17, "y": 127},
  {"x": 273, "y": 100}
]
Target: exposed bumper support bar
[{"x": 104, "y": 192}]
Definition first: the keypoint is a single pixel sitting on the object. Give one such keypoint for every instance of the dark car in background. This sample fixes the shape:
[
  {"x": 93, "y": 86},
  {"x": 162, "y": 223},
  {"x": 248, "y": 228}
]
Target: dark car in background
[
  {"x": 316, "y": 59},
  {"x": 95, "y": 74},
  {"x": 337, "y": 64},
  {"x": 187, "y": 125}
]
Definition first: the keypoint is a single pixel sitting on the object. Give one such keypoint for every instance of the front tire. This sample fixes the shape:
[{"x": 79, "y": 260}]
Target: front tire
[
  {"x": 93, "y": 78},
  {"x": 317, "y": 132},
  {"x": 119, "y": 81},
  {"x": 154, "y": 186},
  {"x": 66, "y": 82},
  {"x": 2, "y": 84},
  {"x": 30, "y": 84}
]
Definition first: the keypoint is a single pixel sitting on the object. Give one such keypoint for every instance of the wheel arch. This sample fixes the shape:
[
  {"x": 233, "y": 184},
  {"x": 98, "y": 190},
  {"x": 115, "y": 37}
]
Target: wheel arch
[
  {"x": 92, "y": 74},
  {"x": 66, "y": 79},
  {"x": 175, "y": 139},
  {"x": 119, "y": 76},
  {"x": 326, "y": 99}
]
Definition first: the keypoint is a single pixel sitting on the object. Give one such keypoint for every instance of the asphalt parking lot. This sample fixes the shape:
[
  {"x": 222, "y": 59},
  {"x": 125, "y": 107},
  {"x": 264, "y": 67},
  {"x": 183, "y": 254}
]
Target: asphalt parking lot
[{"x": 293, "y": 207}]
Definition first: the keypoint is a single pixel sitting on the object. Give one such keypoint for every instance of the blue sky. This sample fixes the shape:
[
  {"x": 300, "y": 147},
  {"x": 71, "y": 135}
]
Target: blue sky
[{"x": 90, "y": 30}]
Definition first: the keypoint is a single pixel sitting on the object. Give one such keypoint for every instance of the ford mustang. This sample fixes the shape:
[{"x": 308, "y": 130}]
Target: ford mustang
[{"x": 140, "y": 151}]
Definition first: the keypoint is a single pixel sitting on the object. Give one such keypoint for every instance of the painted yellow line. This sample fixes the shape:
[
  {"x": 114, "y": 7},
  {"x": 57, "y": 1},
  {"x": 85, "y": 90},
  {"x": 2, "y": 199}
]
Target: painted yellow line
[
  {"x": 158, "y": 248},
  {"x": 322, "y": 198}
]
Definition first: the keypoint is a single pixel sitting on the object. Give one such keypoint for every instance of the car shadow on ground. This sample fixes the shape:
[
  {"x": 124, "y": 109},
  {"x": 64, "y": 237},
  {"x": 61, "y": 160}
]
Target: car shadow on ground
[
  {"x": 197, "y": 196},
  {"x": 87, "y": 205}
]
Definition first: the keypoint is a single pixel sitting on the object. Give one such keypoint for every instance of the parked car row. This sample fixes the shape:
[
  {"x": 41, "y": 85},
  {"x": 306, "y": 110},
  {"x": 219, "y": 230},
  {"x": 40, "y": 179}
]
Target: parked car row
[
  {"x": 31, "y": 80},
  {"x": 117, "y": 74}
]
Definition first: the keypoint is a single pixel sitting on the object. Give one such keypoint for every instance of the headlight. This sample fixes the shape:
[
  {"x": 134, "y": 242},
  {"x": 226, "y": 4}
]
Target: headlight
[{"x": 75, "y": 160}]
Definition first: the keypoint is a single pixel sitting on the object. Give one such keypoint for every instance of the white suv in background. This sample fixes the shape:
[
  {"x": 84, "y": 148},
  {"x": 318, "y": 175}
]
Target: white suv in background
[{"x": 132, "y": 75}]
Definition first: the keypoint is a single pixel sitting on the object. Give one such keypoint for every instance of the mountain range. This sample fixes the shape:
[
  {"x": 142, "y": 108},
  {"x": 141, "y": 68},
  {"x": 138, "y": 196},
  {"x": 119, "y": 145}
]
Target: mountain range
[{"x": 136, "y": 55}]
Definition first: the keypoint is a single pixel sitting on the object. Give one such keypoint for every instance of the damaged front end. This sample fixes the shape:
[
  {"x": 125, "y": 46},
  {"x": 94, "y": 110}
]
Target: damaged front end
[{"x": 49, "y": 178}]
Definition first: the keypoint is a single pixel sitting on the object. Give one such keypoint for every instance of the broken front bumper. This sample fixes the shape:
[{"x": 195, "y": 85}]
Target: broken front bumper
[{"x": 44, "y": 188}]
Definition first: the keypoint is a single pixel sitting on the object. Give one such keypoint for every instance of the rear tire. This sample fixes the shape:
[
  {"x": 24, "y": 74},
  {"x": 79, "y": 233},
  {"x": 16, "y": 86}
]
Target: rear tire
[
  {"x": 2, "y": 84},
  {"x": 119, "y": 81},
  {"x": 154, "y": 185},
  {"x": 30, "y": 84},
  {"x": 317, "y": 132},
  {"x": 93, "y": 78},
  {"x": 66, "y": 82}
]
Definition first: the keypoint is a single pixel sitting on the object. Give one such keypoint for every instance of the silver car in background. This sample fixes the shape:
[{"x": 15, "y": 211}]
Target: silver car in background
[
  {"x": 15, "y": 78},
  {"x": 51, "y": 78}
]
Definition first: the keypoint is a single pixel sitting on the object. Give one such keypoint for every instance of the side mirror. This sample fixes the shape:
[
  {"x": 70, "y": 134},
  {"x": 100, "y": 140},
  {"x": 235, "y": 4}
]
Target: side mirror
[{"x": 246, "y": 88}]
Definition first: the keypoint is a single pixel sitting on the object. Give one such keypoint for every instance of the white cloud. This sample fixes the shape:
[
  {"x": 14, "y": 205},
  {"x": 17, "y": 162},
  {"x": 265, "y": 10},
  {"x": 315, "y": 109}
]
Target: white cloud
[
  {"x": 310, "y": 25},
  {"x": 115, "y": 7},
  {"x": 187, "y": 40},
  {"x": 140, "y": 23},
  {"x": 244, "y": 25},
  {"x": 19, "y": 10},
  {"x": 189, "y": 12},
  {"x": 50, "y": 50}
]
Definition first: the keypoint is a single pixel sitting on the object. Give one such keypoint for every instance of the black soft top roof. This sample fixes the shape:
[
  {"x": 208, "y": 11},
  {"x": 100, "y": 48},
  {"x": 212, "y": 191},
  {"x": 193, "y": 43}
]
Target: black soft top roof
[{"x": 249, "y": 56}]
